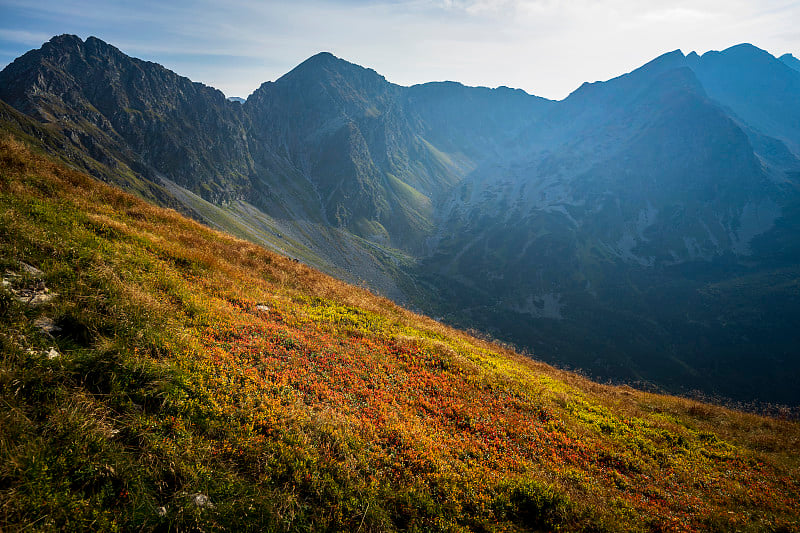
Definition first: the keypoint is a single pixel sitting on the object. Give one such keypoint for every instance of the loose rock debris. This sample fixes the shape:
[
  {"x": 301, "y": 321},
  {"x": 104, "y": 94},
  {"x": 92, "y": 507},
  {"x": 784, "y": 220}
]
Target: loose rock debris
[{"x": 29, "y": 288}]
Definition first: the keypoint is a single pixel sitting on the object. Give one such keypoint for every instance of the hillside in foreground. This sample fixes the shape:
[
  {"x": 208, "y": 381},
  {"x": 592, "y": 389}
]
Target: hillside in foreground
[{"x": 158, "y": 375}]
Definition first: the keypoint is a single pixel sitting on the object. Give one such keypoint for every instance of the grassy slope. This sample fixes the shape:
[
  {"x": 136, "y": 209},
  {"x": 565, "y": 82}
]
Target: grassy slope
[{"x": 325, "y": 408}]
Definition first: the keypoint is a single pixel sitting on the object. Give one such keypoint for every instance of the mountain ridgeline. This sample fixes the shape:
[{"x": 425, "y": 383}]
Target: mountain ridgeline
[{"x": 646, "y": 228}]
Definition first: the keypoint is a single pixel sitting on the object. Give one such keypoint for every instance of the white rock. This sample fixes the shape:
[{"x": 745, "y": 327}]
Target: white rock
[
  {"x": 46, "y": 324},
  {"x": 42, "y": 297},
  {"x": 201, "y": 500},
  {"x": 32, "y": 270}
]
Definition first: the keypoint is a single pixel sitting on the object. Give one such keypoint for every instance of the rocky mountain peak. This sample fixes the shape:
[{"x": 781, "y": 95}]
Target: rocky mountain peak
[
  {"x": 63, "y": 40},
  {"x": 744, "y": 58},
  {"x": 101, "y": 97},
  {"x": 747, "y": 50},
  {"x": 625, "y": 88},
  {"x": 325, "y": 66},
  {"x": 66, "y": 48},
  {"x": 790, "y": 61}
]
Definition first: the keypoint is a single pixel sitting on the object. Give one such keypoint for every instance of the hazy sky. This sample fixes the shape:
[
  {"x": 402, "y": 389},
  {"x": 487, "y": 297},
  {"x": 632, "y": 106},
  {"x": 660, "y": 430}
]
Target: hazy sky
[{"x": 547, "y": 47}]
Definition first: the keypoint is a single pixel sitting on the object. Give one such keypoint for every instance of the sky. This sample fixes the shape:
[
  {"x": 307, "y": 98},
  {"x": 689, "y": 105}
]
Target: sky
[{"x": 546, "y": 47}]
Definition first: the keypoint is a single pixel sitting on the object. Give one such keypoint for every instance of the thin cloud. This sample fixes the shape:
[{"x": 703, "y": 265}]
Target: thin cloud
[
  {"x": 23, "y": 36},
  {"x": 677, "y": 14}
]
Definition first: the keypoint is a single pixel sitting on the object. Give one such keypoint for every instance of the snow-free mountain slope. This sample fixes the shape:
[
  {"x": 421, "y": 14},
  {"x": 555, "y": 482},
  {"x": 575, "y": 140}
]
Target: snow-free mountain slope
[{"x": 641, "y": 229}]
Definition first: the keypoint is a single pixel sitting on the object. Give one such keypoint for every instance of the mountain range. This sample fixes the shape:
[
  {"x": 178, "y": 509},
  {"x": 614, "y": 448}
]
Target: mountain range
[{"x": 643, "y": 229}]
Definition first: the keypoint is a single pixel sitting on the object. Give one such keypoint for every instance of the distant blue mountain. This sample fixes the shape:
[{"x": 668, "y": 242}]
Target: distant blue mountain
[{"x": 790, "y": 60}]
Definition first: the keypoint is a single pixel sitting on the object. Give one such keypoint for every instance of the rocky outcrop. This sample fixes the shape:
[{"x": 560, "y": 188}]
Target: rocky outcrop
[{"x": 148, "y": 116}]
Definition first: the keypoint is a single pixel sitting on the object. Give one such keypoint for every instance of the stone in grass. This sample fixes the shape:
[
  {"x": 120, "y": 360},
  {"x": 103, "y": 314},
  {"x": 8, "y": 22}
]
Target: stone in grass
[
  {"x": 50, "y": 353},
  {"x": 8, "y": 280},
  {"x": 262, "y": 307},
  {"x": 31, "y": 270},
  {"x": 37, "y": 297},
  {"x": 34, "y": 293},
  {"x": 47, "y": 325},
  {"x": 201, "y": 501}
]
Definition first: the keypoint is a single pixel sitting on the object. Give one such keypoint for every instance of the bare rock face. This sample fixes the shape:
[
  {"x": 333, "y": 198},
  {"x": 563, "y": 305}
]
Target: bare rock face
[{"x": 140, "y": 112}]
